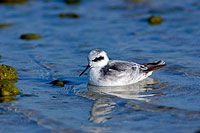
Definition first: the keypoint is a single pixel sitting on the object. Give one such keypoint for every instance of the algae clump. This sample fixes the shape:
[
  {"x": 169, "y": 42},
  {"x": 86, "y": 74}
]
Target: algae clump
[
  {"x": 59, "y": 83},
  {"x": 30, "y": 36},
  {"x": 5, "y": 25},
  {"x": 69, "y": 15},
  {"x": 12, "y": 1},
  {"x": 155, "y": 20},
  {"x": 8, "y": 73},
  {"x": 8, "y": 89}
]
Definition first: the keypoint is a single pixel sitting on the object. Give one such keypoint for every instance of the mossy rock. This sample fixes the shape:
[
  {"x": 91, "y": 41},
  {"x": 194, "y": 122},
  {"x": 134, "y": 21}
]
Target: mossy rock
[
  {"x": 69, "y": 15},
  {"x": 155, "y": 20},
  {"x": 8, "y": 73},
  {"x": 5, "y": 25},
  {"x": 13, "y": 1},
  {"x": 72, "y": 1},
  {"x": 8, "y": 89},
  {"x": 30, "y": 36},
  {"x": 59, "y": 83}
]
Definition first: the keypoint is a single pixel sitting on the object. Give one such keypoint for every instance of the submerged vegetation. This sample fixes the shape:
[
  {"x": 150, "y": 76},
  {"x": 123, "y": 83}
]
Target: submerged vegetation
[
  {"x": 5, "y": 25},
  {"x": 59, "y": 83},
  {"x": 155, "y": 20},
  {"x": 30, "y": 36},
  {"x": 7, "y": 99}
]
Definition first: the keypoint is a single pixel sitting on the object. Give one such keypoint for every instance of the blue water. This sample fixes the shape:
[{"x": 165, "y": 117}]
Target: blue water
[{"x": 170, "y": 100}]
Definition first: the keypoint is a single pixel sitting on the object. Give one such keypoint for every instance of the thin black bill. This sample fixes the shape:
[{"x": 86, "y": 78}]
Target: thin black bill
[{"x": 88, "y": 66}]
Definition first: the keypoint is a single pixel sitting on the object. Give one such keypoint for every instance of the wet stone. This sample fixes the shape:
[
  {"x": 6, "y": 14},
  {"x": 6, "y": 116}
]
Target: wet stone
[
  {"x": 30, "y": 36},
  {"x": 154, "y": 20}
]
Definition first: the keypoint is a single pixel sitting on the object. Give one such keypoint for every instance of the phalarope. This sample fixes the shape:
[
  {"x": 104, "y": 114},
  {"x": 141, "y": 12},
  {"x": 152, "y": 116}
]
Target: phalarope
[{"x": 105, "y": 72}]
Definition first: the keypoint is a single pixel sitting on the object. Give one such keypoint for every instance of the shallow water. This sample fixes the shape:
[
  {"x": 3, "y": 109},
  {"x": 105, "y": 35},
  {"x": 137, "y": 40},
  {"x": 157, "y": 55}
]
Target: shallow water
[{"x": 170, "y": 99}]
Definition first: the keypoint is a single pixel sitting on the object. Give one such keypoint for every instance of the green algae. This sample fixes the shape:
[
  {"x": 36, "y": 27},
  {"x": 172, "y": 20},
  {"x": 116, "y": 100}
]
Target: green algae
[
  {"x": 72, "y": 1},
  {"x": 13, "y": 1},
  {"x": 30, "y": 36},
  {"x": 69, "y": 15},
  {"x": 8, "y": 73},
  {"x": 59, "y": 83},
  {"x": 155, "y": 20},
  {"x": 5, "y": 25},
  {"x": 8, "y": 89}
]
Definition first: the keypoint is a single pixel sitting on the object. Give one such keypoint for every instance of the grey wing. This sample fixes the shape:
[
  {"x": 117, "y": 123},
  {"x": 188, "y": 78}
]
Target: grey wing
[{"x": 117, "y": 68}]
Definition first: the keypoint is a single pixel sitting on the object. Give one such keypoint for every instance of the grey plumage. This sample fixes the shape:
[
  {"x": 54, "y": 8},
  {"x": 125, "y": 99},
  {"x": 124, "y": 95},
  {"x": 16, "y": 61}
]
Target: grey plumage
[{"x": 105, "y": 72}]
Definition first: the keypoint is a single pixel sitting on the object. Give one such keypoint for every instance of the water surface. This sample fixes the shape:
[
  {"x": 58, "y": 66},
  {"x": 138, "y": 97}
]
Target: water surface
[{"x": 170, "y": 99}]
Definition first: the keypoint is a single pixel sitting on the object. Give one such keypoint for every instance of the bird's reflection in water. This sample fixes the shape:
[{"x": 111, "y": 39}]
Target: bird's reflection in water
[
  {"x": 103, "y": 97},
  {"x": 133, "y": 91}
]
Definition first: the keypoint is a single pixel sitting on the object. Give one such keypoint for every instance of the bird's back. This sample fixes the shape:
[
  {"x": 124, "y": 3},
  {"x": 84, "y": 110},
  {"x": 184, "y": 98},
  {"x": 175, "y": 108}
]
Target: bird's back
[
  {"x": 118, "y": 73},
  {"x": 118, "y": 68}
]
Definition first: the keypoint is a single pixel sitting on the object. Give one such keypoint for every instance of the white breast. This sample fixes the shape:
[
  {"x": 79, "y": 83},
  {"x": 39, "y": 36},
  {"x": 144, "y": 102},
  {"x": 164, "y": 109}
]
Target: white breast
[{"x": 98, "y": 79}]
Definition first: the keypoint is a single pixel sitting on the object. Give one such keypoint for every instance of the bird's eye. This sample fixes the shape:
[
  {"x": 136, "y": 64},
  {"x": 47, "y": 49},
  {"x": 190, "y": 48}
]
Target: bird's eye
[{"x": 98, "y": 59}]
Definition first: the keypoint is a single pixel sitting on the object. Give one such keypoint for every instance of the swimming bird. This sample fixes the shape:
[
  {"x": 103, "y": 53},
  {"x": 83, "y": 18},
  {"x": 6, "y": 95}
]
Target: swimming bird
[{"x": 105, "y": 72}]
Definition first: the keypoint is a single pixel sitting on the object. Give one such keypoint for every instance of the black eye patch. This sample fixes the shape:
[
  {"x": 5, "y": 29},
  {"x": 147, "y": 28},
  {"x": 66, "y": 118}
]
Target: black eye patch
[{"x": 98, "y": 59}]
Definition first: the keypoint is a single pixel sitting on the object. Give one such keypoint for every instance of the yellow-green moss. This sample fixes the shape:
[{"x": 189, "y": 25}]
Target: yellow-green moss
[
  {"x": 69, "y": 15},
  {"x": 30, "y": 36},
  {"x": 155, "y": 20},
  {"x": 8, "y": 89},
  {"x": 5, "y": 25},
  {"x": 72, "y": 1},
  {"x": 8, "y": 73},
  {"x": 59, "y": 83},
  {"x": 12, "y": 1}
]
